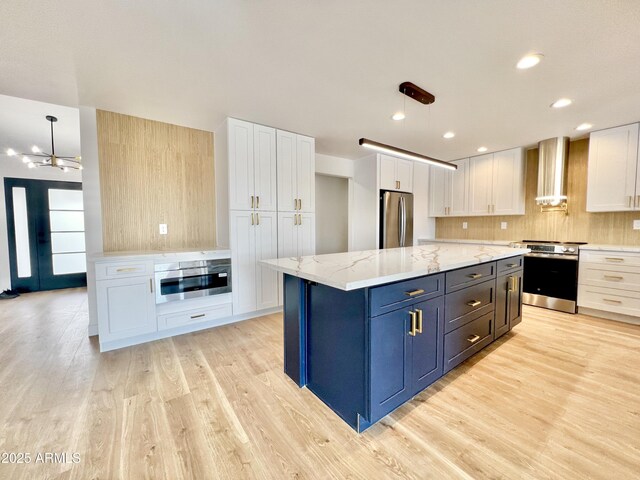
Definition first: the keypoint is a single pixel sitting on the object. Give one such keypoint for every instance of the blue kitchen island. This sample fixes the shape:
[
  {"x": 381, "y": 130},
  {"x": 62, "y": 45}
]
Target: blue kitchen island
[{"x": 366, "y": 331}]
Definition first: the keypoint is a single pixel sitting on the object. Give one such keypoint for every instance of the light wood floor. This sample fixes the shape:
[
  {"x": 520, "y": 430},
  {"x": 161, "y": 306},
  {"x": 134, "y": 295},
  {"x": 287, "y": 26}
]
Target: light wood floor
[{"x": 557, "y": 398}]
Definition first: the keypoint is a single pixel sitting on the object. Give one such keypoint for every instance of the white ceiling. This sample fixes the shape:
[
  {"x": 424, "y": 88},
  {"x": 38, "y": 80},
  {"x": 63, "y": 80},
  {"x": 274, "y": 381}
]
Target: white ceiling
[{"x": 331, "y": 68}]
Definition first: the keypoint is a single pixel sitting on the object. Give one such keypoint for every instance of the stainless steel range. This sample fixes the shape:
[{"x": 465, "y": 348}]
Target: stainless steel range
[{"x": 550, "y": 276}]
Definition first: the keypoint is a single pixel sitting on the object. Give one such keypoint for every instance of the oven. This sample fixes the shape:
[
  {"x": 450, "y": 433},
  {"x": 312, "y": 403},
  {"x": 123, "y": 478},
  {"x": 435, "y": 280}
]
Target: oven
[
  {"x": 550, "y": 281},
  {"x": 201, "y": 278}
]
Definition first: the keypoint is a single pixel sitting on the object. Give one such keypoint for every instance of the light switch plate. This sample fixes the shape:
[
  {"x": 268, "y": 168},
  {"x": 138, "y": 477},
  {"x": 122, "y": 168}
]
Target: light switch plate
[
  {"x": 503, "y": 225},
  {"x": 636, "y": 224},
  {"x": 163, "y": 229},
  {"x": 464, "y": 225}
]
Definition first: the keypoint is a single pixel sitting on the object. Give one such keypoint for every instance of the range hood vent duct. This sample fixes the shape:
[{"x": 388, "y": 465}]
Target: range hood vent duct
[{"x": 552, "y": 172}]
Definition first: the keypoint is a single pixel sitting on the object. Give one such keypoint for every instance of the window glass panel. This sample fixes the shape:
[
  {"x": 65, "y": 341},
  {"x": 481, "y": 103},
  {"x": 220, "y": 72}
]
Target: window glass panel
[
  {"x": 64, "y": 263},
  {"x": 21, "y": 225},
  {"x": 67, "y": 221},
  {"x": 65, "y": 199},
  {"x": 67, "y": 242}
]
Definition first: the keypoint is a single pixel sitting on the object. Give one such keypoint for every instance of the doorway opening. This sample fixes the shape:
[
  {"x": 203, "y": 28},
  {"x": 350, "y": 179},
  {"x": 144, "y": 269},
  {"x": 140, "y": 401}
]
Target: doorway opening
[{"x": 332, "y": 214}]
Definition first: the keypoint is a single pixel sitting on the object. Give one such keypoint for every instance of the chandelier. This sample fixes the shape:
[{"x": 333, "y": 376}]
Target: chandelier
[{"x": 44, "y": 159}]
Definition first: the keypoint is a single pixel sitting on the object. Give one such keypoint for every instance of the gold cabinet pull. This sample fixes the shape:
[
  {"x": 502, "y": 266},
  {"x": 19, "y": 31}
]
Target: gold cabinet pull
[
  {"x": 295, "y": 219},
  {"x": 614, "y": 259},
  {"x": 613, "y": 277},
  {"x": 412, "y": 332},
  {"x": 474, "y": 303},
  {"x": 299, "y": 204},
  {"x": 637, "y": 201},
  {"x": 252, "y": 200},
  {"x": 474, "y": 275},
  {"x": 513, "y": 284},
  {"x": 419, "y": 328},
  {"x": 127, "y": 269},
  {"x": 629, "y": 200},
  {"x": 512, "y": 265},
  {"x": 473, "y": 338},
  {"x": 413, "y": 293},
  {"x": 611, "y": 300},
  {"x": 299, "y": 219},
  {"x": 257, "y": 219},
  {"x": 252, "y": 221},
  {"x": 258, "y": 201},
  {"x": 151, "y": 285},
  {"x": 200, "y": 315}
]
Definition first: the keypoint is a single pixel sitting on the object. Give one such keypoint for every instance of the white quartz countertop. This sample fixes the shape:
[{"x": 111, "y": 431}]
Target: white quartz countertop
[
  {"x": 353, "y": 270},
  {"x": 506, "y": 243},
  {"x": 611, "y": 248},
  {"x": 185, "y": 255}
]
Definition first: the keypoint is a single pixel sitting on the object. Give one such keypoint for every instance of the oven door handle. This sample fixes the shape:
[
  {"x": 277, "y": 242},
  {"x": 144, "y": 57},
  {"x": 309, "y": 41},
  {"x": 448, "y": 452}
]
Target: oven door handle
[{"x": 573, "y": 258}]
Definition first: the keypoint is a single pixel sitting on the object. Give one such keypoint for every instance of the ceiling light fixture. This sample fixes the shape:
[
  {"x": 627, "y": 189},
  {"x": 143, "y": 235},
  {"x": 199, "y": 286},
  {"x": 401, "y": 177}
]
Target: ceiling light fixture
[
  {"x": 449, "y": 135},
  {"x": 398, "y": 116},
  {"x": 482, "y": 149},
  {"x": 48, "y": 159},
  {"x": 406, "y": 154},
  {"x": 584, "y": 126},
  {"x": 529, "y": 61},
  {"x": 562, "y": 102}
]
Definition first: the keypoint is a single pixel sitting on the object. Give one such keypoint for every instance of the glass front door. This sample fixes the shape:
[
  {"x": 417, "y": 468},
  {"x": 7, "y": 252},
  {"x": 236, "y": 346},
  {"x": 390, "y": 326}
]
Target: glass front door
[{"x": 45, "y": 226}]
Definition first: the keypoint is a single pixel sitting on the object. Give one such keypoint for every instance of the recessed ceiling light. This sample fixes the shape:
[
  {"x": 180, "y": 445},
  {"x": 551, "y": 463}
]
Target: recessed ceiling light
[
  {"x": 529, "y": 61},
  {"x": 561, "y": 102},
  {"x": 25, "y": 159},
  {"x": 11, "y": 152},
  {"x": 398, "y": 116},
  {"x": 584, "y": 126},
  {"x": 482, "y": 149},
  {"x": 35, "y": 149},
  {"x": 449, "y": 135}
]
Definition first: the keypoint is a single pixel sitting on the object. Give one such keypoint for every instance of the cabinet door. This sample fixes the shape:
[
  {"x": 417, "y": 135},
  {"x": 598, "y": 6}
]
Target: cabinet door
[
  {"x": 480, "y": 184},
  {"x": 387, "y": 172},
  {"x": 508, "y": 183},
  {"x": 426, "y": 347},
  {"x": 126, "y": 307},
  {"x": 266, "y": 229},
  {"x": 287, "y": 180},
  {"x": 437, "y": 191},
  {"x": 389, "y": 362},
  {"x": 306, "y": 173},
  {"x": 404, "y": 175},
  {"x": 458, "y": 188},
  {"x": 515, "y": 300},
  {"x": 306, "y": 234},
  {"x": 241, "y": 165},
  {"x": 264, "y": 151},
  {"x": 243, "y": 261},
  {"x": 502, "y": 305},
  {"x": 613, "y": 169},
  {"x": 287, "y": 234}
]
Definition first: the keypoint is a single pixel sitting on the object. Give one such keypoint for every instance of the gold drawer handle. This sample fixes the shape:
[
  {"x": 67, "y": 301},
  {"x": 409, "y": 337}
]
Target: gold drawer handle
[
  {"x": 473, "y": 339},
  {"x": 613, "y": 277},
  {"x": 614, "y": 259},
  {"x": 474, "y": 275},
  {"x": 412, "y": 332},
  {"x": 128, "y": 269},
  {"x": 413, "y": 293},
  {"x": 474, "y": 303},
  {"x": 512, "y": 265},
  {"x": 419, "y": 328},
  {"x": 200, "y": 315},
  {"x": 610, "y": 300}
]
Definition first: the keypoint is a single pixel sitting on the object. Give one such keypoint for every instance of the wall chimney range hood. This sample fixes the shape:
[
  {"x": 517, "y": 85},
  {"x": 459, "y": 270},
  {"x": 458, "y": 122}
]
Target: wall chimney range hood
[{"x": 552, "y": 174}]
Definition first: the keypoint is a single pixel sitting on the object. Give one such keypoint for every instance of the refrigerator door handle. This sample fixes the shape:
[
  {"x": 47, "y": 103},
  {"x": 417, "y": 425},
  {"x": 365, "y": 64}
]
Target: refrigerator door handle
[{"x": 402, "y": 220}]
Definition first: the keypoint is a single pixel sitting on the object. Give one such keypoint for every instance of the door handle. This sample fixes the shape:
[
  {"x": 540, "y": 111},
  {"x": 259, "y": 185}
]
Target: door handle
[
  {"x": 613, "y": 277},
  {"x": 413, "y": 293},
  {"x": 252, "y": 200},
  {"x": 295, "y": 219},
  {"x": 412, "y": 332},
  {"x": 614, "y": 259},
  {"x": 512, "y": 284},
  {"x": 419, "y": 328},
  {"x": 629, "y": 200},
  {"x": 473, "y": 338},
  {"x": 252, "y": 221},
  {"x": 474, "y": 275},
  {"x": 299, "y": 219},
  {"x": 637, "y": 201},
  {"x": 151, "y": 285},
  {"x": 198, "y": 316},
  {"x": 299, "y": 204},
  {"x": 512, "y": 265},
  {"x": 474, "y": 303},
  {"x": 258, "y": 201},
  {"x": 610, "y": 300},
  {"x": 257, "y": 219}
]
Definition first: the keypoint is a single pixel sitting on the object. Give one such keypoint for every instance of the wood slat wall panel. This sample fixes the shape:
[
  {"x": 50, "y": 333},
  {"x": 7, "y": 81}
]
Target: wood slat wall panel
[
  {"x": 579, "y": 226},
  {"x": 151, "y": 173}
]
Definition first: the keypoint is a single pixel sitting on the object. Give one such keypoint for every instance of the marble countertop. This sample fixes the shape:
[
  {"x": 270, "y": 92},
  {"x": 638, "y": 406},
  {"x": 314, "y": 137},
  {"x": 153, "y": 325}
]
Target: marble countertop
[
  {"x": 184, "y": 254},
  {"x": 505, "y": 243},
  {"x": 353, "y": 270},
  {"x": 611, "y": 248}
]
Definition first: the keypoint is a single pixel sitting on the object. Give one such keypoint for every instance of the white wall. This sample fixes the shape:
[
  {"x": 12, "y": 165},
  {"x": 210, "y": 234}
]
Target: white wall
[
  {"x": 365, "y": 209},
  {"x": 423, "y": 225},
  {"x": 334, "y": 166},
  {"x": 332, "y": 214}
]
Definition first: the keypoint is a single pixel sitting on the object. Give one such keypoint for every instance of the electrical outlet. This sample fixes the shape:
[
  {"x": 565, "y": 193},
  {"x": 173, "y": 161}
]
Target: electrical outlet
[
  {"x": 464, "y": 225},
  {"x": 503, "y": 225},
  {"x": 636, "y": 224},
  {"x": 163, "y": 229}
]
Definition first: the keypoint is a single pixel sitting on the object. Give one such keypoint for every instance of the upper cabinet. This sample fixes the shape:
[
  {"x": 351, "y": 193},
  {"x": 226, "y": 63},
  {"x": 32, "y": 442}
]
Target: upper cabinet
[
  {"x": 252, "y": 166},
  {"x": 449, "y": 190},
  {"x": 395, "y": 174},
  {"x": 613, "y": 183},
  {"x": 296, "y": 172}
]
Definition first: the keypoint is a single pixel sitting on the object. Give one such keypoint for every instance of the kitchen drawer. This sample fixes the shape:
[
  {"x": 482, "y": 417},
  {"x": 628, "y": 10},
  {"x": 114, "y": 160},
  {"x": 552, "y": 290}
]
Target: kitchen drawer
[
  {"x": 387, "y": 298},
  {"x": 465, "y": 277},
  {"x": 189, "y": 317},
  {"x": 467, "y": 340},
  {"x": 609, "y": 300},
  {"x": 510, "y": 264},
  {"x": 610, "y": 258},
  {"x": 622, "y": 277},
  {"x": 107, "y": 271},
  {"x": 469, "y": 303}
]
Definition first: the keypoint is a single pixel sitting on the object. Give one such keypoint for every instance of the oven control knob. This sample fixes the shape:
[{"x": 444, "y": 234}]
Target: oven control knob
[
  {"x": 564, "y": 249},
  {"x": 571, "y": 250}
]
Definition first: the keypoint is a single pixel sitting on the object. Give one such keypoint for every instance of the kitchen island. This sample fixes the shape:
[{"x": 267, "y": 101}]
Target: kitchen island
[{"x": 366, "y": 331}]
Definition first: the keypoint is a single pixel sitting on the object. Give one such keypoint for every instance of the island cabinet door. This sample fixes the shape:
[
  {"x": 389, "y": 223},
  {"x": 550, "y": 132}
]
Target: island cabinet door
[
  {"x": 427, "y": 344},
  {"x": 508, "y": 302},
  {"x": 389, "y": 362}
]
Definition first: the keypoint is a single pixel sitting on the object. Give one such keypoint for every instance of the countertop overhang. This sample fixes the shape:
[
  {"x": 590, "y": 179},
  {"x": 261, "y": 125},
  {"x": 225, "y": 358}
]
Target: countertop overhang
[
  {"x": 368, "y": 268},
  {"x": 176, "y": 255}
]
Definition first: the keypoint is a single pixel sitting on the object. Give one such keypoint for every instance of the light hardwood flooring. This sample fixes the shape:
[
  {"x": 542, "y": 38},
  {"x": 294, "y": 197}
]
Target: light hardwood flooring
[{"x": 557, "y": 398}]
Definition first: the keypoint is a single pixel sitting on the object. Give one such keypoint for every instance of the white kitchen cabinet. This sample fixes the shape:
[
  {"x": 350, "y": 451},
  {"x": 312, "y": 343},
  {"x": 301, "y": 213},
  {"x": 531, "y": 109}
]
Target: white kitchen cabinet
[
  {"x": 254, "y": 237},
  {"x": 438, "y": 192},
  {"x": 613, "y": 183},
  {"x": 450, "y": 190},
  {"x": 126, "y": 307},
  {"x": 252, "y": 166},
  {"x": 296, "y": 172},
  {"x": 296, "y": 234},
  {"x": 395, "y": 173},
  {"x": 480, "y": 184}
]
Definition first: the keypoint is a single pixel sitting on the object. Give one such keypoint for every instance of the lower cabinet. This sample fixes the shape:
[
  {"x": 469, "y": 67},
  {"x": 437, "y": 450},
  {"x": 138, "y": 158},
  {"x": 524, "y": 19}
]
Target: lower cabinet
[{"x": 508, "y": 302}]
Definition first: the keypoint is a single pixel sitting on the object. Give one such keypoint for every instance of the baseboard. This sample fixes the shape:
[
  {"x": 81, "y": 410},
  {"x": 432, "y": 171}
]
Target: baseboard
[
  {"x": 92, "y": 329},
  {"x": 618, "y": 317},
  {"x": 149, "y": 337}
]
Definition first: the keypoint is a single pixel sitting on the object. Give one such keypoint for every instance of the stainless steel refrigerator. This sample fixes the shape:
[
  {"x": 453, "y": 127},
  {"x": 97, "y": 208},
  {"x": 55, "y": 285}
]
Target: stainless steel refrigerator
[{"x": 396, "y": 219}]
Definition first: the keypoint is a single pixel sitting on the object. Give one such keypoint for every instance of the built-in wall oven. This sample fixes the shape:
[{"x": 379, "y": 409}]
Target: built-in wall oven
[
  {"x": 550, "y": 275},
  {"x": 201, "y": 278}
]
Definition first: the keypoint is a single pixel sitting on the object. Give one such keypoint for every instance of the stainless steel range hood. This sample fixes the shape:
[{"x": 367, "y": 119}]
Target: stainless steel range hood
[{"x": 552, "y": 171}]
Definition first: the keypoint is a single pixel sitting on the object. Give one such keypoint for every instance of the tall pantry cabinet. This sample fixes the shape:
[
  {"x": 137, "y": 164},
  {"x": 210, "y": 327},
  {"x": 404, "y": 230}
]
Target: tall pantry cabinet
[{"x": 256, "y": 168}]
